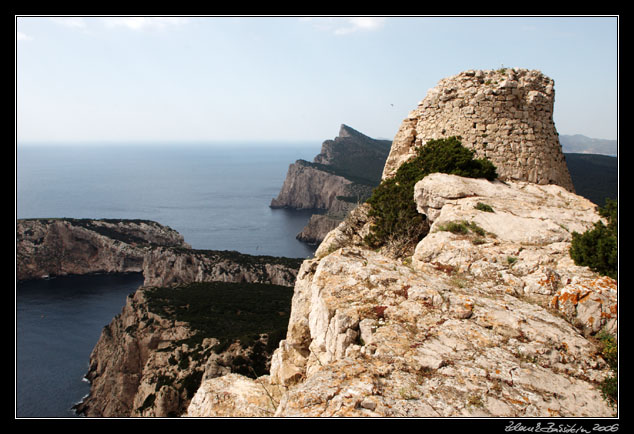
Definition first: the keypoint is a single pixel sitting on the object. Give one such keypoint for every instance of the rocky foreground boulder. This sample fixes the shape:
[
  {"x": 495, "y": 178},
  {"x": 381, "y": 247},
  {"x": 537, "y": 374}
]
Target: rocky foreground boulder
[{"x": 489, "y": 318}]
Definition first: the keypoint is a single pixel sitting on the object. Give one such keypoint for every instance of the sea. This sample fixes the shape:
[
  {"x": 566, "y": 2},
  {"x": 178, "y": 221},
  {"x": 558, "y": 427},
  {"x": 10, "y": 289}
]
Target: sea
[{"x": 216, "y": 195}]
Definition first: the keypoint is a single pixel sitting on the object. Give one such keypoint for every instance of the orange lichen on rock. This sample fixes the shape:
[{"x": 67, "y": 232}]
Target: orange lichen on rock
[{"x": 591, "y": 303}]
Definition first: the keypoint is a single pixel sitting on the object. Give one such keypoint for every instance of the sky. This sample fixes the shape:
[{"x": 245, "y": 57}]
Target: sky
[{"x": 160, "y": 79}]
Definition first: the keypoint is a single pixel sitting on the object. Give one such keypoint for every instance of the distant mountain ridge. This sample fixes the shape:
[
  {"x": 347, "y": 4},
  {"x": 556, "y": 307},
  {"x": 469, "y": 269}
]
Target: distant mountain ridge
[{"x": 581, "y": 144}]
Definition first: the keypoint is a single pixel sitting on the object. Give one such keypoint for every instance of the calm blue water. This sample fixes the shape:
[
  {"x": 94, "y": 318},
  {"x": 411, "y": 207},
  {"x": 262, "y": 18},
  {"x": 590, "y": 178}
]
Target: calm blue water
[
  {"x": 216, "y": 197},
  {"x": 58, "y": 323}
]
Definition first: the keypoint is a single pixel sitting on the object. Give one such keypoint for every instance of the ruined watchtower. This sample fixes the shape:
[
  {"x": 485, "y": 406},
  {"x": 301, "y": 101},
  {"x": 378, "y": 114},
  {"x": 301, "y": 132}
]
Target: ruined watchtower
[{"x": 505, "y": 115}]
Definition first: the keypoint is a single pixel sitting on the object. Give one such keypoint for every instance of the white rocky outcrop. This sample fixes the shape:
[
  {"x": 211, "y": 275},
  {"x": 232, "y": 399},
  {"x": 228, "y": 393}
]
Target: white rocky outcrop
[
  {"x": 239, "y": 397},
  {"x": 525, "y": 239},
  {"x": 487, "y": 323}
]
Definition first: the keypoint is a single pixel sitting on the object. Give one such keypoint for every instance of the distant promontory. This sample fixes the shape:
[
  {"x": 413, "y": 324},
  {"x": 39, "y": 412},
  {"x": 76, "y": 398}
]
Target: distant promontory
[{"x": 339, "y": 178}]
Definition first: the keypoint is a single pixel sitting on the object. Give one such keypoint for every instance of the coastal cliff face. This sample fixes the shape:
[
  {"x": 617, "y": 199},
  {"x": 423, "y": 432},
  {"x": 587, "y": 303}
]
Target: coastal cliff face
[
  {"x": 166, "y": 266},
  {"x": 317, "y": 227},
  {"x": 340, "y": 177},
  {"x": 307, "y": 187},
  {"x": 128, "y": 351},
  {"x": 57, "y": 247},
  {"x": 490, "y": 317},
  {"x": 149, "y": 362}
]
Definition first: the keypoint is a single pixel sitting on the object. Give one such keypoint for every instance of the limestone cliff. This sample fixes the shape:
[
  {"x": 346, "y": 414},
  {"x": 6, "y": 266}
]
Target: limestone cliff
[
  {"x": 317, "y": 227},
  {"x": 151, "y": 358},
  {"x": 488, "y": 322},
  {"x": 167, "y": 266},
  {"x": 149, "y": 361},
  {"x": 340, "y": 177},
  {"x": 56, "y": 247},
  {"x": 308, "y": 187}
]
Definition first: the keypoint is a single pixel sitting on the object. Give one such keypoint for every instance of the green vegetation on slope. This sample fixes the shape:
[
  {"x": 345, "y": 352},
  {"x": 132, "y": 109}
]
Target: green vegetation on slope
[
  {"x": 608, "y": 347},
  {"x": 597, "y": 248},
  {"x": 226, "y": 311},
  {"x": 396, "y": 222}
]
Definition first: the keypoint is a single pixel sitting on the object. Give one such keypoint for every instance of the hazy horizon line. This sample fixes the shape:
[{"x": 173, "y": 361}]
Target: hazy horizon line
[{"x": 137, "y": 142}]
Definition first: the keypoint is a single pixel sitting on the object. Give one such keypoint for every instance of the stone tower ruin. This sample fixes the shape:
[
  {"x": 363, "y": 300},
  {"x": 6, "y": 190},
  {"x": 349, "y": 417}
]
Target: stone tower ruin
[{"x": 505, "y": 115}]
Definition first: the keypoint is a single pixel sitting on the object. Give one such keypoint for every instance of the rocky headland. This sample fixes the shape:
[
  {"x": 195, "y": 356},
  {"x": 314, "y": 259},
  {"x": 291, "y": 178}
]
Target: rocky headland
[
  {"x": 151, "y": 358},
  {"x": 497, "y": 322},
  {"x": 339, "y": 178},
  {"x": 58, "y": 247},
  {"x": 489, "y": 317}
]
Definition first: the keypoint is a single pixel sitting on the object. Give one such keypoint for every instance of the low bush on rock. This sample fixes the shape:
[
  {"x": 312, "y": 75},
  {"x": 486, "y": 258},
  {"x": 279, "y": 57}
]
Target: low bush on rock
[
  {"x": 597, "y": 248},
  {"x": 396, "y": 222},
  {"x": 609, "y": 350}
]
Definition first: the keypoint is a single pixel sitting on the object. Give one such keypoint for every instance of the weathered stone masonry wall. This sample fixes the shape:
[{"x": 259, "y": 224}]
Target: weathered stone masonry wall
[{"x": 504, "y": 115}]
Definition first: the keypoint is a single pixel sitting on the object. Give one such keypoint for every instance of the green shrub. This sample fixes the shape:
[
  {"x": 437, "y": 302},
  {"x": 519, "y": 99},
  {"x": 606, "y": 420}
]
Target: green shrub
[
  {"x": 395, "y": 218},
  {"x": 610, "y": 388},
  {"x": 597, "y": 248},
  {"x": 609, "y": 350},
  {"x": 483, "y": 207},
  {"x": 462, "y": 227},
  {"x": 458, "y": 228}
]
